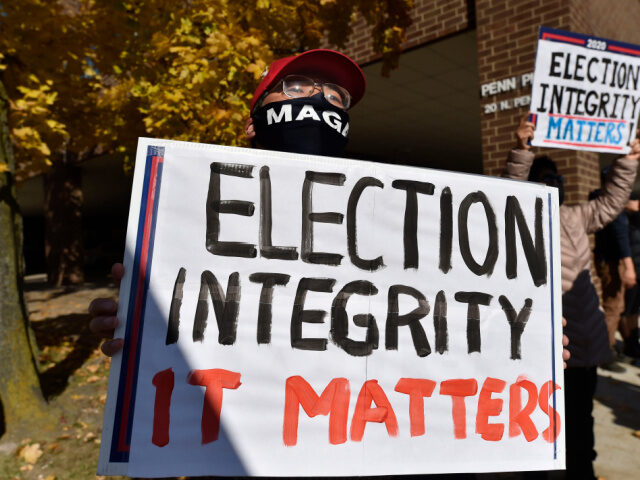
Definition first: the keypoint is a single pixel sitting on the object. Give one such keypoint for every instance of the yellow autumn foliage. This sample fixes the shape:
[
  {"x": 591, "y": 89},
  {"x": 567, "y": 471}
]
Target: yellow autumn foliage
[
  {"x": 50, "y": 76},
  {"x": 113, "y": 70}
]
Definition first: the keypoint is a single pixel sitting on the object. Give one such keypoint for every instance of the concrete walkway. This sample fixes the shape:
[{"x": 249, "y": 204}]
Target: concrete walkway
[{"x": 617, "y": 415}]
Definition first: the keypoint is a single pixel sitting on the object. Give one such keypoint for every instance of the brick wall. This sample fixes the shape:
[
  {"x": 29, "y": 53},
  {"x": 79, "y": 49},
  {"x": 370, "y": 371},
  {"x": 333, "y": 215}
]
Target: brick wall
[
  {"x": 432, "y": 19},
  {"x": 507, "y": 34},
  {"x": 617, "y": 20}
]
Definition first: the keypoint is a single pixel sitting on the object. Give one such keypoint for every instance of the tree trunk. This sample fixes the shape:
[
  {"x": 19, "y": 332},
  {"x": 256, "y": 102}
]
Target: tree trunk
[
  {"x": 22, "y": 405},
  {"x": 63, "y": 222}
]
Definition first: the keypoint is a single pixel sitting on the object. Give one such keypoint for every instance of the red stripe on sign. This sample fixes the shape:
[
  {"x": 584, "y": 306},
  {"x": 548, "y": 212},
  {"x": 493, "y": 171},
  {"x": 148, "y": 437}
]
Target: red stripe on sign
[
  {"x": 554, "y": 36},
  {"x": 615, "y": 48},
  {"x": 142, "y": 273},
  {"x": 587, "y": 118},
  {"x": 611, "y": 147}
]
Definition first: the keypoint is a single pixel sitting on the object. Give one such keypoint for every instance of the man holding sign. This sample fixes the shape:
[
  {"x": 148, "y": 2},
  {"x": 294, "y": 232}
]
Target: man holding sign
[
  {"x": 489, "y": 359},
  {"x": 586, "y": 326}
]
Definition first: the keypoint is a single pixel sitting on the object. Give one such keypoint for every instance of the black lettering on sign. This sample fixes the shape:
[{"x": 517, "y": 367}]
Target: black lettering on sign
[
  {"x": 300, "y": 315},
  {"x": 446, "y": 229},
  {"x": 267, "y": 250},
  {"x": 440, "y": 323},
  {"x": 308, "y": 217},
  {"x": 473, "y": 316},
  {"x": 173, "y": 323},
  {"x": 268, "y": 280},
  {"x": 340, "y": 320},
  {"x": 215, "y": 207},
  {"x": 556, "y": 98},
  {"x": 463, "y": 234},
  {"x": 566, "y": 75},
  {"x": 411, "y": 258},
  {"x": 579, "y": 65},
  {"x": 553, "y": 69},
  {"x": 542, "y": 107},
  {"x": 411, "y": 319},
  {"x": 352, "y": 237},
  {"x": 516, "y": 323},
  {"x": 225, "y": 307},
  {"x": 535, "y": 254},
  {"x": 602, "y": 108}
]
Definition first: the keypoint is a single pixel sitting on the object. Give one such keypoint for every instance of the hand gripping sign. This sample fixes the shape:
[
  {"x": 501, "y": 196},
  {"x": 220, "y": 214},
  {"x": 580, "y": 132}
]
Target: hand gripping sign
[
  {"x": 586, "y": 92},
  {"x": 289, "y": 315}
]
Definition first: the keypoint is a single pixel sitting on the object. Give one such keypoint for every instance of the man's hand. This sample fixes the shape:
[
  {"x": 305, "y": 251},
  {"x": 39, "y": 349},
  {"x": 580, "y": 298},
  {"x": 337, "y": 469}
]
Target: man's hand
[
  {"x": 566, "y": 355},
  {"x": 628, "y": 276},
  {"x": 632, "y": 206},
  {"x": 249, "y": 129},
  {"x": 524, "y": 133},
  {"x": 103, "y": 316}
]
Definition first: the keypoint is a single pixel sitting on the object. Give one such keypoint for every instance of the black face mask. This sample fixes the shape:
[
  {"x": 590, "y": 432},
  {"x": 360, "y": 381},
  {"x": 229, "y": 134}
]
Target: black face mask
[{"x": 308, "y": 125}]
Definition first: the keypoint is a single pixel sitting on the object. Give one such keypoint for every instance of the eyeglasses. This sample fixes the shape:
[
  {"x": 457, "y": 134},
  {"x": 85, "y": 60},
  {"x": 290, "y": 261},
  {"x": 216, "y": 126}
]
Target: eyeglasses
[{"x": 299, "y": 86}]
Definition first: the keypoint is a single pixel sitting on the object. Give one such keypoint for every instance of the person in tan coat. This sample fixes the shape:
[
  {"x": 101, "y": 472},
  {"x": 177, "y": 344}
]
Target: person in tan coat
[{"x": 585, "y": 327}]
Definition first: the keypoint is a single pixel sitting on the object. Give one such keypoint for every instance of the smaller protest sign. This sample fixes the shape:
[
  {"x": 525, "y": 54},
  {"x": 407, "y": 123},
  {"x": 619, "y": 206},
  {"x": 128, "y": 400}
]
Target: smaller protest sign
[{"x": 586, "y": 92}]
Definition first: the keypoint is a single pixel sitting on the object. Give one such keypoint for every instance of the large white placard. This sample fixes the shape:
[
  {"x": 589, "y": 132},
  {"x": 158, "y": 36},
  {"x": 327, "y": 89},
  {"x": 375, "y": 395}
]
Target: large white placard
[
  {"x": 586, "y": 92},
  {"x": 290, "y": 315}
]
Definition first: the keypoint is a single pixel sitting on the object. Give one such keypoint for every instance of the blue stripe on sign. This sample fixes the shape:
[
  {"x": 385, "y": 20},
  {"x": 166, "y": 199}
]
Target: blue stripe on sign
[
  {"x": 146, "y": 289},
  {"x": 117, "y": 455},
  {"x": 553, "y": 334}
]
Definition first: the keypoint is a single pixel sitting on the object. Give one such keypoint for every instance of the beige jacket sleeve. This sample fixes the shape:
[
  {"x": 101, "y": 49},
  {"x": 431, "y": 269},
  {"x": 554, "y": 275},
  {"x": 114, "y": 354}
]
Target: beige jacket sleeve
[
  {"x": 518, "y": 165},
  {"x": 601, "y": 211},
  {"x": 594, "y": 214}
]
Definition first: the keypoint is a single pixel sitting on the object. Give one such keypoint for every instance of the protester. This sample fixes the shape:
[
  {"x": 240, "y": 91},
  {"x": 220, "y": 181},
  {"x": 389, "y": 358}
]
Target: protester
[
  {"x": 617, "y": 273},
  {"x": 317, "y": 88},
  {"x": 629, "y": 323},
  {"x": 322, "y": 80},
  {"x": 586, "y": 325}
]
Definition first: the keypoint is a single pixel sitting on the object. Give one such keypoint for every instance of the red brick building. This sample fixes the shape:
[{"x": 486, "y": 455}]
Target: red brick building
[{"x": 432, "y": 110}]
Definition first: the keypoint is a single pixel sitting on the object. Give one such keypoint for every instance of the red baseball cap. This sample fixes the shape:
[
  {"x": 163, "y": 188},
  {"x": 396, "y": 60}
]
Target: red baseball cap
[{"x": 335, "y": 67}]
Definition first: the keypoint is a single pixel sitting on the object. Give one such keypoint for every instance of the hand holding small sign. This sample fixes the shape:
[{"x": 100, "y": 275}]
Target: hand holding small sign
[
  {"x": 524, "y": 133},
  {"x": 635, "y": 147}
]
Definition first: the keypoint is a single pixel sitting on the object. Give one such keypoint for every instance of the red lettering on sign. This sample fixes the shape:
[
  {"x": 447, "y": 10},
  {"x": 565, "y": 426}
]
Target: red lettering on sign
[
  {"x": 520, "y": 417},
  {"x": 334, "y": 402},
  {"x": 458, "y": 389},
  {"x": 490, "y": 407},
  {"x": 214, "y": 380},
  {"x": 335, "y": 398},
  {"x": 417, "y": 389},
  {"x": 163, "y": 381},
  {"x": 551, "y": 433},
  {"x": 383, "y": 413}
]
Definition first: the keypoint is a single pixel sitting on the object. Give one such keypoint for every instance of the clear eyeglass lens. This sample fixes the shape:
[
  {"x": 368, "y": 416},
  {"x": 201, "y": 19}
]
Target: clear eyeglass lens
[
  {"x": 296, "y": 86},
  {"x": 336, "y": 95}
]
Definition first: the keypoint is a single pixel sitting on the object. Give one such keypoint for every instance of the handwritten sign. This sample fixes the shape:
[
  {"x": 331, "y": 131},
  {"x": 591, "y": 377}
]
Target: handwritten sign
[
  {"x": 297, "y": 315},
  {"x": 586, "y": 92}
]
